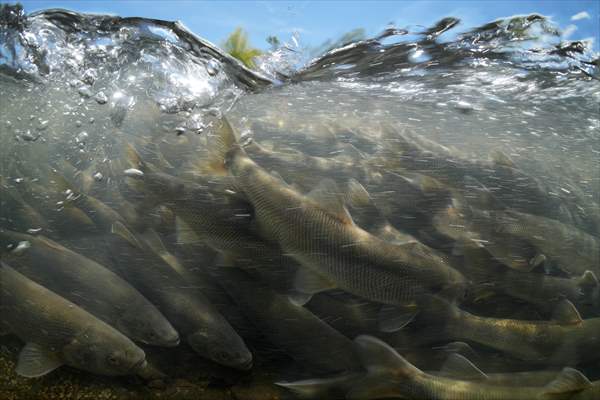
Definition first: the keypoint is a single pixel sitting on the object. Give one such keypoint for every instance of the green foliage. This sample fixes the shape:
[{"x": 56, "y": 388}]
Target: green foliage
[
  {"x": 237, "y": 46},
  {"x": 349, "y": 37}
]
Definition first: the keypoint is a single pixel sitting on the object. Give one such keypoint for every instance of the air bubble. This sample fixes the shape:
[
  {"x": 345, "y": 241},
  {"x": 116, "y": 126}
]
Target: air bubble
[{"x": 212, "y": 67}]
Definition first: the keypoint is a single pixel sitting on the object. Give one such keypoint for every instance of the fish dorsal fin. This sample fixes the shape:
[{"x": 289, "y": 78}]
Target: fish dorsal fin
[
  {"x": 184, "y": 234},
  {"x": 394, "y": 318},
  {"x": 328, "y": 197},
  {"x": 350, "y": 153},
  {"x": 309, "y": 282},
  {"x": 588, "y": 281},
  {"x": 357, "y": 195},
  {"x": 569, "y": 380},
  {"x": 460, "y": 348},
  {"x": 119, "y": 229},
  {"x": 154, "y": 242},
  {"x": 278, "y": 176},
  {"x": 390, "y": 234},
  {"x": 566, "y": 313},
  {"x": 459, "y": 367},
  {"x": 61, "y": 182},
  {"x": 49, "y": 243},
  {"x": 379, "y": 358},
  {"x": 35, "y": 361},
  {"x": 501, "y": 158},
  {"x": 218, "y": 146},
  {"x": 134, "y": 159},
  {"x": 480, "y": 196}
]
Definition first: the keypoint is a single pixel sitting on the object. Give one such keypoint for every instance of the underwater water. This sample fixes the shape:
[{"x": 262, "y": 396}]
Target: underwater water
[{"x": 405, "y": 216}]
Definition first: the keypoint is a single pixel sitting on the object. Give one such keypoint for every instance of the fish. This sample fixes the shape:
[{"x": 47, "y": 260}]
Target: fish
[
  {"x": 573, "y": 250},
  {"x": 204, "y": 328},
  {"x": 471, "y": 227},
  {"x": 17, "y": 209},
  {"x": 567, "y": 339},
  {"x": 317, "y": 231},
  {"x": 389, "y": 375},
  {"x": 541, "y": 289},
  {"x": 89, "y": 285},
  {"x": 319, "y": 347},
  {"x": 58, "y": 332}
]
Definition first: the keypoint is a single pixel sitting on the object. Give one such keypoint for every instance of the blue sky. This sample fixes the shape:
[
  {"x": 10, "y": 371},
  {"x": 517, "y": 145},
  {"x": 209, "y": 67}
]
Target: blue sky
[{"x": 317, "y": 21}]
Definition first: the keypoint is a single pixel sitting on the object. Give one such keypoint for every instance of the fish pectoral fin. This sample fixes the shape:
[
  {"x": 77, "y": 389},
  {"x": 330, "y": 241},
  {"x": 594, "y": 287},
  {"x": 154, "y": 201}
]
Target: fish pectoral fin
[
  {"x": 537, "y": 260},
  {"x": 299, "y": 299},
  {"x": 569, "y": 380},
  {"x": 501, "y": 158},
  {"x": 309, "y": 282},
  {"x": 481, "y": 291},
  {"x": 566, "y": 313},
  {"x": 35, "y": 361},
  {"x": 394, "y": 318},
  {"x": 458, "y": 366},
  {"x": 119, "y": 229},
  {"x": 322, "y": 387},
  {"x": 184, "y": 234},
  {"x": 588, "y": 281},
  {"x": 328, "y": 196},
  {"x": 458, "y": 347}
]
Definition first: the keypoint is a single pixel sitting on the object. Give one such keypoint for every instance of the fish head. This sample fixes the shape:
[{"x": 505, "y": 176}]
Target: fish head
[
  {"x": 221, "y": 345},
  {"x": 104, "y": 351},
  {"x": 456, "y": 285},
  {"x": 158, "y": 185},
  {"x": 146, "y": 324}
]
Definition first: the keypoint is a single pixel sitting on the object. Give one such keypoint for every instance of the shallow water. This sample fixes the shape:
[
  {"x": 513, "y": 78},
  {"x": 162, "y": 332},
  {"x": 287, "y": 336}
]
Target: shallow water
[{"x": 479, "y": 156}]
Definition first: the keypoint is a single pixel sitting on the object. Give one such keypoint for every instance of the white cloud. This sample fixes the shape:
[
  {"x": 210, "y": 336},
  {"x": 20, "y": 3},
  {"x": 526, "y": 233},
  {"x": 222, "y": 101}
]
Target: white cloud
[
  {"x": 580, "y": 15},
  {"x": 568, "y": 31}
]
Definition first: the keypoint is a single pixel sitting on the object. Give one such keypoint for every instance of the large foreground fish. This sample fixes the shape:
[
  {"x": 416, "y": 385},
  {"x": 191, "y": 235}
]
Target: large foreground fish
[
  {"x": 317, "y": 231},
  {"x": 89, "y": 285},
  {"x": 58, "y": 332}
]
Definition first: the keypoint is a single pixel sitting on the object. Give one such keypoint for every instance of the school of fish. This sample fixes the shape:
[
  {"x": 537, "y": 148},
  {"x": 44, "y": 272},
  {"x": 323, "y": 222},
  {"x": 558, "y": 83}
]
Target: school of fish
[{"x": 385, "y": 265}]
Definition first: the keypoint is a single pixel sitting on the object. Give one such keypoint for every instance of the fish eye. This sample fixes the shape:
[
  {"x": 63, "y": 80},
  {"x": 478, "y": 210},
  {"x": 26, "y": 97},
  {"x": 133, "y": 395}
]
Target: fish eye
[{"x": 113, "y": 360}]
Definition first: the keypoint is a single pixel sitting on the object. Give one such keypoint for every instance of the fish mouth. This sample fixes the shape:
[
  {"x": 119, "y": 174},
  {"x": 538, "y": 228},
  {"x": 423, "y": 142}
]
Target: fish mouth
[
  {"x": 139, "y": 365},
  {"x": 173, "y": 343},
  {"x": 246, "y": 365}
]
